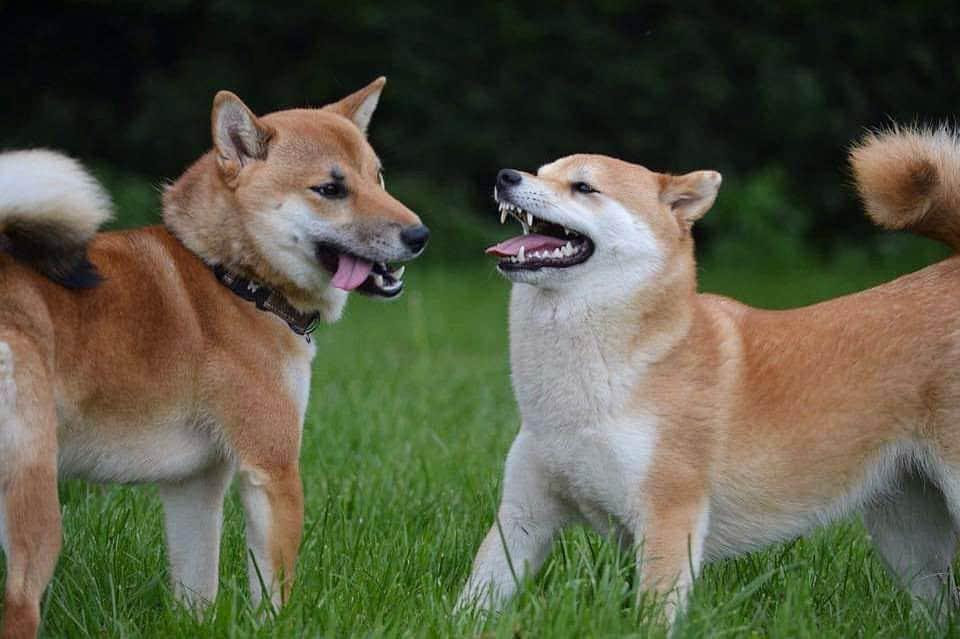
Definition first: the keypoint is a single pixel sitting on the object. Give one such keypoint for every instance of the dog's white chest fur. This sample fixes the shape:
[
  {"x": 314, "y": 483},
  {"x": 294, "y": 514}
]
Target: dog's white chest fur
[{"x": 573, "y": 390}]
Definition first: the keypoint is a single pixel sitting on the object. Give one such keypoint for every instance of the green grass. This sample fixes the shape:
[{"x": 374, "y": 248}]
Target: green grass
[{"x": 410, "y": 417}]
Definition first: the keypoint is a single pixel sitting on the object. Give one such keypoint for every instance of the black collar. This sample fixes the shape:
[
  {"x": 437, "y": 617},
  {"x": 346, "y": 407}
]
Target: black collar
[{"x": 270, "y": 300}]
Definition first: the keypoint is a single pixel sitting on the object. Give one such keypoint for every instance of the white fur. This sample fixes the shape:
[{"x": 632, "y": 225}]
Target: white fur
[
  {"x": 530, "y": 514},
  {"x": 48, "y": 187},
  {"x": 258, "y": 519},
  {"x": 626, "y": 252},
  {"x": 914, "y": 533},
  {"x": 193, "y": 511},
  {"x": 286, "y": 238},
  {"x": 582, "y": 451},
  {"x": 11, "y": 430},
  {"x": 740, "y": 525},
  {"x": 162, "y": 447},
  {"x": 364, "y": 113},
  {"x": 296, "y": 375}
]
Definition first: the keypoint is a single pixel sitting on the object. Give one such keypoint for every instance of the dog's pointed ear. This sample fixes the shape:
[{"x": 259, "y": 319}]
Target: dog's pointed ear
[
  {"x": 238, "y": 135},
  {"x": 359, "y": 106},
  {"x": 690, "y": 196}
]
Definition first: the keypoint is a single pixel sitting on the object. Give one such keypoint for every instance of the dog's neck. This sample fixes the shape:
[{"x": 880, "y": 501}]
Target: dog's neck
[
  {"x": 587, "y": 352},
  {"x": 620, "y": 315},
  {"x": 200, "y": 212}
]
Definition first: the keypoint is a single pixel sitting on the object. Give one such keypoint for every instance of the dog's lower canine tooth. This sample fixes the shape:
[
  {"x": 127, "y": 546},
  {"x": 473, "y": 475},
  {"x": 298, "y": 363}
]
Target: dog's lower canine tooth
[
  {"x": 520, "y": 256},
  {"x": 398, "y": 273},
  {"x": 503, "y": 215}
]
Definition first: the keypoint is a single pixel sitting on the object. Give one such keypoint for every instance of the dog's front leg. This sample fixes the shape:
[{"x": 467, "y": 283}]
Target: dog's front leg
[
  {"x": 671, "y": 548},
  {"x": 529, "y": 517},
  {"x": 264, "y": 430},
  {"x": 273, "y": 504},
  {"x": 193, "y": 510}
]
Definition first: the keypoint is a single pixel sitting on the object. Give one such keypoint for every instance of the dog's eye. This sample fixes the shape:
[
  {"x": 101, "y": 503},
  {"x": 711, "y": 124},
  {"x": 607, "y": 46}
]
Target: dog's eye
[
  {"x": 583, "y": 187},
  {"x": 332, "y": 190}
]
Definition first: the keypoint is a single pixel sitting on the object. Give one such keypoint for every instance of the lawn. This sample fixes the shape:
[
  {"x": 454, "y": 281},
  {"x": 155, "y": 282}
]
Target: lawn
[{"x": 410, "y": 418}]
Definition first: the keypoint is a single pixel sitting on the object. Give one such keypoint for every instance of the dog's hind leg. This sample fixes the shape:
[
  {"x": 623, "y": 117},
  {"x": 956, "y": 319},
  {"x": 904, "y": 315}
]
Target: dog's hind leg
[
  {"x": 29, "y": 507},
  {"x": 193, "y": 510},
  {"x": 913, "y": 531}
]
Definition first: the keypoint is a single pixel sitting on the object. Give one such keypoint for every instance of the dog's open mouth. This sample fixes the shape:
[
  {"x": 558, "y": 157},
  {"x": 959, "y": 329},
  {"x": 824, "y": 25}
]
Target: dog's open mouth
[
  {"x": 354, "y": 273},
  {"x": 543, "y": 244}
]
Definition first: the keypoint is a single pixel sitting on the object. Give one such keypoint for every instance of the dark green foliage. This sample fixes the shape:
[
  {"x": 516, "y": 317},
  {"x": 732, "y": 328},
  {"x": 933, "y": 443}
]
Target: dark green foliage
[{"x": 755, "y": 89}]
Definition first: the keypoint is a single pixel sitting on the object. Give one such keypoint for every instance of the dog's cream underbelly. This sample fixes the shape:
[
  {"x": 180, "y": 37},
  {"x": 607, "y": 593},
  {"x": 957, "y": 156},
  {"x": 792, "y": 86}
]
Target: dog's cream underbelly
[
  {"x": 751, "y": 509},
  {"x": 162, "y": 447}
]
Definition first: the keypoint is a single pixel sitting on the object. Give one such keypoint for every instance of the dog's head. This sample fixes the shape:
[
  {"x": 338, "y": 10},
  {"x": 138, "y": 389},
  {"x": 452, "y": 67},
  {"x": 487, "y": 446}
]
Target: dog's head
[
  {"x": 598, "y": 218},
  {"x": 308, "y": 191}
]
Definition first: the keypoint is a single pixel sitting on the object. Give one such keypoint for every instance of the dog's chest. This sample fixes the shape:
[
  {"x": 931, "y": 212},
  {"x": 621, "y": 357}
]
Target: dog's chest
[{"x": 573, "y": 396}]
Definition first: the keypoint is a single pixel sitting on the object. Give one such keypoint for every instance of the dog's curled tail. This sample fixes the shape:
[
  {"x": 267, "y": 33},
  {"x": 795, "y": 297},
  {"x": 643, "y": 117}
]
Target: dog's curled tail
[
  {"x": 50, "y": 207},
  {"x": 909, "y": 178}
]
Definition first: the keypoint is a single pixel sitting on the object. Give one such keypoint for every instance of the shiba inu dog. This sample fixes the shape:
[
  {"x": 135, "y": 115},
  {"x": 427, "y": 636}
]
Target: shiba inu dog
[
  {"x": 180, "y": 354},
  {"x": 694, "y": 427}
]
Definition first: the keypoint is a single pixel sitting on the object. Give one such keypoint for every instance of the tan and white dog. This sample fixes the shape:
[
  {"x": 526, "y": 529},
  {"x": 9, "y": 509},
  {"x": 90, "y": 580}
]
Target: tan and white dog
[
  {"x": 698, "y": 428},
  {"x": 177, "y": 354}
]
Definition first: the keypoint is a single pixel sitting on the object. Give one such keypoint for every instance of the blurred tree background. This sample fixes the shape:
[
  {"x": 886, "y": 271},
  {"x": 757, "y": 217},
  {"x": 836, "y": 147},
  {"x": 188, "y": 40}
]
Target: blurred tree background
[{"x": 770, "y": 94}]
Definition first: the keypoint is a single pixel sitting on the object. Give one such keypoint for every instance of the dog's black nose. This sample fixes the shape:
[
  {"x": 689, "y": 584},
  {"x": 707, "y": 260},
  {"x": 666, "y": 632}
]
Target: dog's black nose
[
  {"x": 415, "y": 237},
  {"x": 508, "y": 177}
]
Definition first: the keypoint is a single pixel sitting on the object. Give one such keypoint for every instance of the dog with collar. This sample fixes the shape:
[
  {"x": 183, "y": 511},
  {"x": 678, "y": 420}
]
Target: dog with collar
[
  {"x": 693, "y": 427},
  {"x": 180, "y": 354}
]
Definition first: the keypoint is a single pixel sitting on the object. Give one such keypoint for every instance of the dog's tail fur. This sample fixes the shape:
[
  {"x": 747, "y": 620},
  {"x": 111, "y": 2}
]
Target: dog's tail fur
[
  {"x": 50, "y": 207},
  {"x": 909, "y": 178}
]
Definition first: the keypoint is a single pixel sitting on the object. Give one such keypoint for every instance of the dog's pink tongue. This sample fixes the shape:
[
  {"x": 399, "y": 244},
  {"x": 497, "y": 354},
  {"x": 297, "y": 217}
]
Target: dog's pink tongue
[
  {"x": 351, "y": 272},
  {"x": 530, "y": 243}
]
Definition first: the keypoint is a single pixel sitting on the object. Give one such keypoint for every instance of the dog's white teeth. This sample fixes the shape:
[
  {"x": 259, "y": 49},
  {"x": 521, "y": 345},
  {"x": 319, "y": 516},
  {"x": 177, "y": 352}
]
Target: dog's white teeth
[
  {"x": 530, "y": 219},
  {"x": 495, "y": 195},
  {"x": 567, "y": 249},
  {"x": 378, "y": 280},
  {"x": 566, "y": 231},
  {"x": 557, "y": 253},
  {"x": 503, "y": 214},
  {"x": 520, "y": 255},
  {"x": 398, "y": 272}
]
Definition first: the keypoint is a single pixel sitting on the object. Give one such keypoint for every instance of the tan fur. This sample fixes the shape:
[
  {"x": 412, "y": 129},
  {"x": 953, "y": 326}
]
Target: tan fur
[
  {"x": 910, "y": 178},
  {"x": 162, "y": 352},
  {"x": 731, "y": 427}
]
